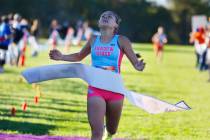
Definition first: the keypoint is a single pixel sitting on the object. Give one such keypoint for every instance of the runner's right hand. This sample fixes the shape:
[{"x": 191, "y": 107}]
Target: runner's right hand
[{"x": 55, "y": 55}]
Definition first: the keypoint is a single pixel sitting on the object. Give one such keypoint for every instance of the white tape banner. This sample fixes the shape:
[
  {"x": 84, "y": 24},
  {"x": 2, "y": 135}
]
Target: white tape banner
[{"x": 102, "y": 79}]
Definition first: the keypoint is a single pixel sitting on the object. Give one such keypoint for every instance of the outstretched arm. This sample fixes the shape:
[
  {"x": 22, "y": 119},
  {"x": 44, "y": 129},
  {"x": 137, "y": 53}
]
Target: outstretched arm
[
  {"x": 57, "y": 55},
  {"x": 125, "y": 45}
]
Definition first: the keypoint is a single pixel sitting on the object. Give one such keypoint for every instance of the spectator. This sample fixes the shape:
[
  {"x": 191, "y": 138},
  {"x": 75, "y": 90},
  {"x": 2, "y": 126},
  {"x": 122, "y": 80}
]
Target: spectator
[{"x": 5, "y": 37}]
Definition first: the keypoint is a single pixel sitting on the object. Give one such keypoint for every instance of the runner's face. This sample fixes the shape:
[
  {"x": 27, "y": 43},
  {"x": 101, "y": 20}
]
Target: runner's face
[
  {"x": 160, "y": 30},
  {"x": 107, "y": 23}
]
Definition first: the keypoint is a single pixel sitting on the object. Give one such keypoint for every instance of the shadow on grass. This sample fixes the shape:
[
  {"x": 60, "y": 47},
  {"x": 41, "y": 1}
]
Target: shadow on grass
[
  {"x": 18, "y": 99},
  {"x": 57, "y": 106},
  {"x": 25, "y": 127},
  {"x": 12, "y": 71},
  {"x": 42, "y": 116},
  {"x": 60, "y": 109}
]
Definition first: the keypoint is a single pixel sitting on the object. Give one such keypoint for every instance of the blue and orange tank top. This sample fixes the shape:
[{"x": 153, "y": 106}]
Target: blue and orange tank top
[{"x": 106, "y": 55}]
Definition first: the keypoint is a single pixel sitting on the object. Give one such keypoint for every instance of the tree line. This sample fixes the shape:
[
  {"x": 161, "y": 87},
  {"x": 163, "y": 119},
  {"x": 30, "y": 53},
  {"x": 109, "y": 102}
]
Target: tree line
[{"x": 140, "y": 18}]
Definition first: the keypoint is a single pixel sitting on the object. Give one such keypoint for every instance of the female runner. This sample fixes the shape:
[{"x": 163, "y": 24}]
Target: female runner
[{"x": 106, "y": 52}]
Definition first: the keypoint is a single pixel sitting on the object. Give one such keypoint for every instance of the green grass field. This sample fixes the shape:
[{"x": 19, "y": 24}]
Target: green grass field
[{"x": 62, "y": 106}]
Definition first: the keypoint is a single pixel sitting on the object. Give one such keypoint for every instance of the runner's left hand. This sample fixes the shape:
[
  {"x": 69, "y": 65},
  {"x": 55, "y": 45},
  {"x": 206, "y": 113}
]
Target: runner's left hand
[{"x": 140, "y": 65}]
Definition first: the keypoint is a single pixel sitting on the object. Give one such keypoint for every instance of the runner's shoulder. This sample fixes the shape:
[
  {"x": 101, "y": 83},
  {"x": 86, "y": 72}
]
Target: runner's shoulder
[
  {"x": 123, "y": 40},
  {"x": 92, "y": 39}
]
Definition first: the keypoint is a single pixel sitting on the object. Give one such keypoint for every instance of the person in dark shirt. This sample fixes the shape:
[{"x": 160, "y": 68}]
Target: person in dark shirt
[{"x": 5, "y": 37}]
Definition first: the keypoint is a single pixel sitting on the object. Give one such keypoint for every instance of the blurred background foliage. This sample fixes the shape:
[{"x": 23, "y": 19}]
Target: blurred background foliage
[{"x": 140, "y": 18}]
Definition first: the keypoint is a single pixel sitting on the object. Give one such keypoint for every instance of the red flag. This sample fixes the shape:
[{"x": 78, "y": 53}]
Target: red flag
[
  {"x": 36, "y": 99},
  {"x": 24, "y": 106},
  {"x": 13, "y": 111},
  {"x": 22, "y": 56}
]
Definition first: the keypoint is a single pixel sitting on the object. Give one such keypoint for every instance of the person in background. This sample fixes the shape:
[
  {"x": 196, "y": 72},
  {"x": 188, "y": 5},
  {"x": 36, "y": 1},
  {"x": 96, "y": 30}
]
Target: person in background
[
  {"x": 24, "y": 41},
  {"x": 208, "y": 48},
  {"x": 54, "y": 33},
  {"x": 10, "y": 17},
  {"x": 5, "y": 38},
  {"x": 87, "y": 31},
  {"x": 69, "y": 37},
  {"x": 84, "y": 32},
  {"x": 199, "y": 40},
  {"x": 159, "y": 39},
  {"x": 79, "y": 33},
  {"x": 192, "y": 40},
  {"x": 33, "y": 37},
  {"x": 14, "y": 48}
]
